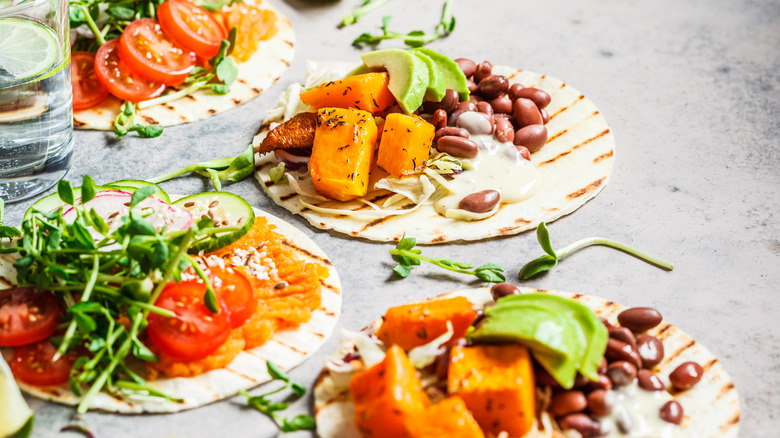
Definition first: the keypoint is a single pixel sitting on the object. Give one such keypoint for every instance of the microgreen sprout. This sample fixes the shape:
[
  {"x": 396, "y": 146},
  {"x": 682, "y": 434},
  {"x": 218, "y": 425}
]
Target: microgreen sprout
[
  {"x": 550, "y": 259},
  {"x": 272, "y": 408},
  {"x": 231, "y": 169},
  {"x": 125, "y": 123},
  {"x": 415, "y": 38},
  {"x": 406, "y": 256},
  {"x": 365, "y": 7}
]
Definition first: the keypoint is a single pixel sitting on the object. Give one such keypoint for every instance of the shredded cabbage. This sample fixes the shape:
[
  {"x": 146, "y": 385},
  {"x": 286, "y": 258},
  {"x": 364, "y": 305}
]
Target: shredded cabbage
[
  {"x": 304, "y": 187},
  {"x": 371, "y": 353},
  {"x": 424, "y": 355},
  {"x": 410, "y": 187}
]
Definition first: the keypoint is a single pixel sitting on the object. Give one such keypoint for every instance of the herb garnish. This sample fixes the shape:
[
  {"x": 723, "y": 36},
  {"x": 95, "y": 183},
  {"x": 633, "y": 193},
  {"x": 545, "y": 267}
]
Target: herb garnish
[
  {"x": 270, "y": 408},
  {"x": 549, "y": 260},
  {"x": 366, "y": 7},
  {"x": 415, "y": 38},
  {"x": 406, "y": 256},
  {"x": 125, "y": 122},
  {"x": 231, "y": 169}
]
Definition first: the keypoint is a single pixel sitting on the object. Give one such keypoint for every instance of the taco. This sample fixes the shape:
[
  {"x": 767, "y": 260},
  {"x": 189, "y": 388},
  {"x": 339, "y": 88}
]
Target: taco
[
  {"x": 272, "y": 56},
  {"x": 297, "y": 300},
  {"x": 710, "y": 408},
  {"x": 571, "y": 168}
]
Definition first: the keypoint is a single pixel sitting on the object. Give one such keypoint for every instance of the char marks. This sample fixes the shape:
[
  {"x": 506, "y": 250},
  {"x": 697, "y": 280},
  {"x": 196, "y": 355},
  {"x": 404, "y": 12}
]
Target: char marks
[{"x": 585, "y": 190}]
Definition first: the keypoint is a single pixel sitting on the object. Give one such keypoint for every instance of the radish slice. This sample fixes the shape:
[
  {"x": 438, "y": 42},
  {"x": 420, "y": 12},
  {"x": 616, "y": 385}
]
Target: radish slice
[{"x": 291, "y": 161}]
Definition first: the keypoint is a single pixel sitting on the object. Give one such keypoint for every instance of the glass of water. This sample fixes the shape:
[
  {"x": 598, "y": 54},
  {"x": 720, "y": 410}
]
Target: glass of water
[{"x": 36, "y": 116}]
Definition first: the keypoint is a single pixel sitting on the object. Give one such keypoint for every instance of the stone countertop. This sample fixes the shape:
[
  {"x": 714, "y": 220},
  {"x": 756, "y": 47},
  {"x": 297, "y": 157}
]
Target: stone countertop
[{"x": 691, "y": 91}]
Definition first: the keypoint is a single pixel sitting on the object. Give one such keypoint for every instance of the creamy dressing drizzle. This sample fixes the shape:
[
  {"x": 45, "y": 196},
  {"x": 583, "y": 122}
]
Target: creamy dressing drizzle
[
  {"x": 639, "y": 409},
  {"x": 500, "y": 167}
]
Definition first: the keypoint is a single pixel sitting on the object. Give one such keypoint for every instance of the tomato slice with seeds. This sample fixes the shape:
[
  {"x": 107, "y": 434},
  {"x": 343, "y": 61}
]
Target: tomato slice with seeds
[
  {"x": 87, "y": 90},
  {"x": 192, "y": 27},
  {"x": 27, "y": 316},
  {"x": 32, "y": 364},
  {"x": 237, "y": 293},
  {"x": 119, "y": 79},
  {"x": 195, "y": 332},
  {"x": 152, "y": 54}
]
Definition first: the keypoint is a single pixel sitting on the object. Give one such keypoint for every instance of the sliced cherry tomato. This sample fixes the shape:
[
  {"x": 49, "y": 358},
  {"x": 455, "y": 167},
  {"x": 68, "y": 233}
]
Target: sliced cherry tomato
[
  {"x": 149, "y": 52},
  {"x": 87, "y": 90},
  {"x": 253, "y": 24},
  {"x": 195, "y": 332},
  {"x": 237, "y": 293},
  {"x": 192, "y": 27},
  {"x": 27, "y": 316},
  {"x": 32, "y": 364},
  {"x": 119, "y": 79}
]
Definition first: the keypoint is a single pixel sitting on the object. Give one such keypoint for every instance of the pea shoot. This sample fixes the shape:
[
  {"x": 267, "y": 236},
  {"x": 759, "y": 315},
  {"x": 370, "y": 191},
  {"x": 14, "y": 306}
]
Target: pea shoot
[
  {"x": 415, "y": 38},
  {"x": 406, "y": 256},
  {"x": 271, "y": 408},
  {"x": 550, "y": 259},
  {"x": 232, "y": 169}
]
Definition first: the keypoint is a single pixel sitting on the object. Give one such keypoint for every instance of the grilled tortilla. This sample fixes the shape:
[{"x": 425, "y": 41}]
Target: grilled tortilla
[
  {"x": 711, "y": 407},
  {"x": 287, "y": 348},
  {"x": 268, "y": 63},
  {"x": 574, "y": 166}
]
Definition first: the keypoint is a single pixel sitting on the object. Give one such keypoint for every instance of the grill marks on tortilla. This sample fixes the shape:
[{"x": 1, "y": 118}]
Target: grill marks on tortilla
[
  {"x": 585, "y": 190},
  {"x": 577, "y": 146}
]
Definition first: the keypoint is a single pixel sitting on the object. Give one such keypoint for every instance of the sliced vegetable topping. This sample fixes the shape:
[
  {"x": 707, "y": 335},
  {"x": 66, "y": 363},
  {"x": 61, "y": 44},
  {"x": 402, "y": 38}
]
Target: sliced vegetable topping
[
  {"x": 225, "y": 210},
  {"x": 117, "y": 77},
  {"x": 33, "y": 364},
  {"x": 236, "y": 291},
  {"x": 87, "y": 90},
  {"x": 152, "y": 54},
  {"x": 26, "y": 316},
  {"x": 191, "y": 27}
]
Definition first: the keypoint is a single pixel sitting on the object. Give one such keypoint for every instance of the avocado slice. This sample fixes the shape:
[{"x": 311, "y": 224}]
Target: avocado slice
[
  {"x": 408, "y": 75},
  {"x": 436, "y": 86},
  {"x": 453, "y": 76}
]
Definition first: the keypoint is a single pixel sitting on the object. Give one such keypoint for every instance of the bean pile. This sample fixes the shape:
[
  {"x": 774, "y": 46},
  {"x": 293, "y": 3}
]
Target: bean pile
[
  {"x": 629, "y": 356},
  {"x": 512, "y": 113}
]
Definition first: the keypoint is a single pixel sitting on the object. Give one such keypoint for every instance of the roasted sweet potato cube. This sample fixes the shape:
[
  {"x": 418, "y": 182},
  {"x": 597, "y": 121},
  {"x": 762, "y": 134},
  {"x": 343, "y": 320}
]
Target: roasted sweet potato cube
[
  {"x": 497, "y": 384},
  {"x": 367, "y": 92},
  {"x": 406, "y": 144},
  {"x": 448, "y": 418},
  {"x": 387, "y": 396},
  {"x": 342, "y": 153},
  {"x": 412, "y": 325}
]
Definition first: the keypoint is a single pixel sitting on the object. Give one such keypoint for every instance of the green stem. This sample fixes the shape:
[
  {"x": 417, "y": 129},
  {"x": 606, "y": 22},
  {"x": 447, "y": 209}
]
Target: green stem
[
  {"x": 92, "y": 26},
  {"x": 173, "y": 96},
  {"x": 401, "y": 252},
  {"x": 84, "y": 297},
  {"x": 219, "y": 163},
  {"x": 210, "y": 296},
  {"x": 617, "y": 245},
  {"x": 360, "y": 11},
  {"x": 138, "y": 387}
]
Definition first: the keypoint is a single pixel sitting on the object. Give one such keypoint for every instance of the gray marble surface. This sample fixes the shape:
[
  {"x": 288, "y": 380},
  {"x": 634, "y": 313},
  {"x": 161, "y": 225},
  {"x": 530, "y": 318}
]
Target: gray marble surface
[{"x": 691, "y": 90}]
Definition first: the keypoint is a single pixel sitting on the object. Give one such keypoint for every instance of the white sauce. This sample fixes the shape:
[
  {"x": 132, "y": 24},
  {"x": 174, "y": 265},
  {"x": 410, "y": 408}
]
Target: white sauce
[
  {"x": 640, "y": 409},
  {"x": 500, "y": 167}
]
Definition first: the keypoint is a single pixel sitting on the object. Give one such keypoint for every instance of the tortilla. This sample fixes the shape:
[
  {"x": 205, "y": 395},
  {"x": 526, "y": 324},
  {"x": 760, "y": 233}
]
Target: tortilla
[
  {"x": 287, "y": 349},
  {"x": 268, "y": 63},
  {"x": 574, "y": 165},
  {"x": 711, "y": 407}
]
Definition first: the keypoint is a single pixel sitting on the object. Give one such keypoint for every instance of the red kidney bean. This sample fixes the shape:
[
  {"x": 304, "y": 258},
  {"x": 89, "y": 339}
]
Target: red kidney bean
[
  {"x": 467, "y": 66},
  {"x": 458, "y": 146},
  {"x": 686, "y": 375},
  {"x": 452, "y": 119},
  {"x": 599, "y": 403},
  {"x": 539, "y": 97},
  {"x": 450, "y": 130},
  {"x": 648, "y": 381},
  {"x": 671, "y": 412},
  {"x": 526, "y": 113},
  {"x": 466, "y": 106},
  {"x": 543, "y": 378},
  {"x": 602, "y": 383},
  {"x": 439, "y": 119},
  {"x": 471, "y": 85},
  {"x": 567, "y": 402},
  {"x": 503, "y": 289},
  {"x": 580, "y": 382},
  {"x": 606, "y": 323},
  {"x": 650, "y": 349},
  {"x": 480, "y": 202},
  {"x": 501, "y": 104},
  {"x": 639, "y": 319},
  {"x": 623, "y": 334},
  {"x": 484, "y": 69},
  {"x": 619, "y": 350},
  {"x": 524, "y": 152},
  {"x": 532, "y": 137},
  {"x": 485, "y": 108},
  {"x": 586, "y": 426},
  {"x": 513, "y": 90},
  {"x": 450, "y": 100},
  {"x": 493, "y": 86},
  {"x": 603, "y": 366},
  {"x": 621, "y": 373},
  {"x": 475, "y": 123},
  {"x": 624, "y": 421},
  {"x": 545, "y": 116},
  {"x": 475, "y": 98},
  {"x": 505, "y": 132}
]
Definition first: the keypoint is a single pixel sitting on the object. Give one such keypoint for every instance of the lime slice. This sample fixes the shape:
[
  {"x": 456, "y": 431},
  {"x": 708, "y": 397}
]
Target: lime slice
[
  {"x": 15, "y": 415},
  {"x": 27, "y": 48}
]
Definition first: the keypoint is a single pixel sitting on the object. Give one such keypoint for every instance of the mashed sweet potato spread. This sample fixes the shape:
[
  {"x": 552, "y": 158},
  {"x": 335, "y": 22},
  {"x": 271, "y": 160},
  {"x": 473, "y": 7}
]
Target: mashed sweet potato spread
[{"x": 288, "y": 290}]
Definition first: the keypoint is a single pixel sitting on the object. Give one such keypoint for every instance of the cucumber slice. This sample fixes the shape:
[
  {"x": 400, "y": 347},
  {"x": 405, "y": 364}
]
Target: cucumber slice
[
  {"x": 131, "y": 185},
  {"x": 16, "y": 417},
  {"x": 225, "y": 210}
]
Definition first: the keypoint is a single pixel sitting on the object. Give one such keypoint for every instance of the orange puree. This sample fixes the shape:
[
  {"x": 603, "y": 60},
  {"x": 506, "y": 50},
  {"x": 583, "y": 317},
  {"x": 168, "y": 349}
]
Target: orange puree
[{"x": 286, "y": 299}]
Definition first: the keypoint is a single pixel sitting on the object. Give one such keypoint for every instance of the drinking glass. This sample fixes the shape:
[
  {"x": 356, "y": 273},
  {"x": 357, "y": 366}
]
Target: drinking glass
[{"x": 36, "y": 116}]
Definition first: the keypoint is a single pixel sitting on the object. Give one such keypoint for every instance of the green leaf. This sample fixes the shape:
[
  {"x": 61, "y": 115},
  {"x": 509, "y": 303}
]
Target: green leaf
[
  {"x": 277, "y": 173},
  {"x": 211, "y": 6},
  {"x": 298, "y": 389},
  {"x": 121, "y": 12},
  {"x": 24, "y": 262},
  {"x": 241, "y": 167},
  {"x": 142, "y": 352},
  {"x": 491, "y": 266},
  {"x": 88, "y": 189},
  {"x": 210, "y": 299},
  {"x": 300, "y": 422},
  {"x": 276, "y": 373},
  {"x": 147, "y": 131},
  {"x": 128, "y": 108},
  {"x": 9, "y": 232},
  {"x": 537, "y": 265},
  {"x": 141, "y": 227},
  {"x": 97, "y": 221},
  {"x": 219, "y": 88},
  {"x": 86, "y": 324},
  {"x": 232, "y": 33},
  {"x": 227, "y": 71},
  {"x": 406, "y": 243},
  {"x": 141, "y": 194},
  {"x": 65, "y": 191},
  {"x": 543, "y": 236},
  {"x": 386, "y": 23},
  {"x": 490, "y": 275},
  {"x": 402, "y": 270}
]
